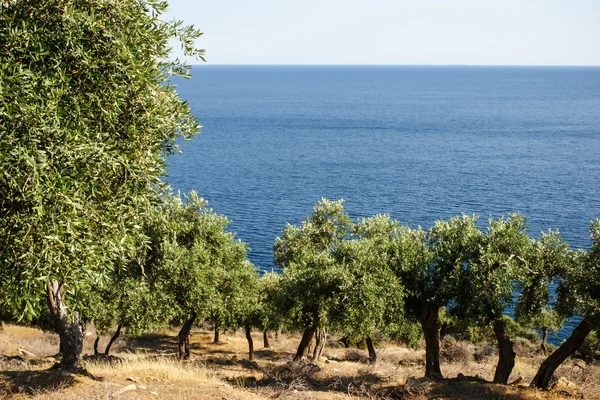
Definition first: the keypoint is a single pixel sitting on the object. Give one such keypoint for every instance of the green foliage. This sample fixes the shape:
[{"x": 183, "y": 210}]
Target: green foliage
[
  {"x": 200, "y": 267},
  {"x": 479, "y": 333},
  {"x": 455, "y": 244},
  {"x": 590, "y": 349},
  {"x": 188, "y": 266},
  {"x": 374, "y": 298},
  {"x": 313, "y": 282},
  {"x": 516, "y": 331},
  {"x": 87, "y": 116},
  {"x": 406, "y": 330},
  {"x": 546, "y": 261},
  {"x": 340, "y": 275},
  {"x": 268, "y": 317},
  {"x": 410, "y": 261},
  {"x": 236, "y": 301},
  {"x": 579, "y": 288},
  {"x": 490, "y": 265},
  {"x": 318, "y": 235}
]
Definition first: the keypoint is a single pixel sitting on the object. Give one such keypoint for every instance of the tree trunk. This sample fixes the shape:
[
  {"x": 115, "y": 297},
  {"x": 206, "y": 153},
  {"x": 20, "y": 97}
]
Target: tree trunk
[
  {"x": 430, "y": 323},
  {"x": 266, "y": 343},
  {"x": 544, "y": 338},
  {"x": 250, "y": 342},
  {"x": 112, "y": 339},
  {"x": 183, "y": 347},
  {"x": 371, "y": 348},
  {"x": 217, "y": 334},
  {"x": 321, "y": 339},
  {"x": 96, "y": 352},
  {"x": 69, "y": 331},
  {"x": 302, "y": 351},
  {"x": 506, "y": 353},
  {"x": 550, "y": 364}
]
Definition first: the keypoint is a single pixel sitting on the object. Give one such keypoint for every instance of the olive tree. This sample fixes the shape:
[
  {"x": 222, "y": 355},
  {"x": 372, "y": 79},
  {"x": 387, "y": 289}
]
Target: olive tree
[
  {"x": 313, "y": 280},
  {"x": 87, "y": 117},
  {"x": 132, "y": 300},
  {"x": 545, "y": 260},
  {"x": 374, "y": 297},
  {"x": 133, "y": 304},
  {"x": 235, "y": 282},
  {"x": 578, "y": 294},
  {"x": 429, "y": 266},
  {"x": 186, "y": 243},
  {"x": 247, "y": 306},
  {"x": 233, "y": 279},
  {"x": 488, "y": 281},
  {"x": 269, "y": 318}
]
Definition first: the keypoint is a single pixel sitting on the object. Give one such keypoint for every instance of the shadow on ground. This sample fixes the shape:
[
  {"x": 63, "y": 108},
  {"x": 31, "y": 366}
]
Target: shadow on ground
[
  {"x": 295, "y": 377},
  {"x": 34, "y": 382},
  {"x": 298, "y": 377}
]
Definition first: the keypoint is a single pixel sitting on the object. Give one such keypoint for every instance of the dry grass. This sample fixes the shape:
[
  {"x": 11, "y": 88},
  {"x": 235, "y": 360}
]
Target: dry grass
[
  {"x": 33, "y": 340},
  {"x": 221, "y": 371}
]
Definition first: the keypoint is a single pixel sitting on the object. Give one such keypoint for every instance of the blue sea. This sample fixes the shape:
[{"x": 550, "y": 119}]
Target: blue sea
[{"x": 417, "y": 142}]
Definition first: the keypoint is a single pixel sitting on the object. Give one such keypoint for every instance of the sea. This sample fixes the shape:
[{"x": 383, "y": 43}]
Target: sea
[{"x": 420, "y": 143}]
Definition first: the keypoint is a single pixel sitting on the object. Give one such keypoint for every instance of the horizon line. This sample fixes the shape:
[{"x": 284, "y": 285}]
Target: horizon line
[{"x": 396, "y": 65}]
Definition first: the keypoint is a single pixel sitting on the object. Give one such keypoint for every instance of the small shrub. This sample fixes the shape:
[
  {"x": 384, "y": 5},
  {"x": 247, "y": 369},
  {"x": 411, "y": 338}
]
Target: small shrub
[
  {"x": 529, "y": 334},
  {"x": 356, "y": 356},
  {"x": 590, "y": 349},
  {"x": 477, "y": 335},
  {"x": 455, "y": 352},
  {"x": 348, "y": 342},
  {"x": 516, "y": 331},
  {"x": 525, "y": 348},
  {"x": 484, "y": 351}
]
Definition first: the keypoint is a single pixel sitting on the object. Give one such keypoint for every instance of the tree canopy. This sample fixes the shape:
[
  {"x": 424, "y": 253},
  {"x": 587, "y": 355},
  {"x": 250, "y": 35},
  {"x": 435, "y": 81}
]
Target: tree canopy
[{"x": 87, "y": 116}]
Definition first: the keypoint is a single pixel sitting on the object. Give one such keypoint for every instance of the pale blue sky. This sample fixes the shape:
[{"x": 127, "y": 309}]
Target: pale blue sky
[{"x": 479, "y": 32}]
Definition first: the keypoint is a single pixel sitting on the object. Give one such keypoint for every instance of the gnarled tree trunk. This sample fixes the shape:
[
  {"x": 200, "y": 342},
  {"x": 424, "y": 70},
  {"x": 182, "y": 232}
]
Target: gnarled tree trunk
[
  {"x": 113, "y": 339},
  {"x": 250, "y": 342},
  {"x": 69, "y": 330},
  {"x": 430, "y": 322},
  {"x": 320, "y": 340},
  {"x": 96, "y": 352},
  {"x": 217, "y": 334},
  {"x": 544, "y": 339},
  {"x": 371, "y": 348},
  {"x": 266, "y": 343},
  {"x": 302, "y": 351},
  {"x": 550, "y": 364},
  {"x": 506, "y": 353},
  {"x": 183, "y": 346}
]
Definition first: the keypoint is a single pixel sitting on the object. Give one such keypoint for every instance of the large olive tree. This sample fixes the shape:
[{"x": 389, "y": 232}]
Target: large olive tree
[
  {"x": 313, "y": 280},
  {"x": 429, "y": 266},
  {"x": 186, "y": 245},
  {"x": 546, "y": 260},
  {"x": 488, "y": 281},
  {"x": 87, "y": 117},
  {"x": 578, "y": 294},
  {"x": 374, "y": 299}
]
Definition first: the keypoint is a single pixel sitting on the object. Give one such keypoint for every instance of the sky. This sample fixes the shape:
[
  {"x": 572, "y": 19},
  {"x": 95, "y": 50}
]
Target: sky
[{"x": 396, "y": 32}]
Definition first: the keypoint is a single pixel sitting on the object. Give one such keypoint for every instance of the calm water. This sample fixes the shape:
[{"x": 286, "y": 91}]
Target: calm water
[{"x": 419, "y": 143}]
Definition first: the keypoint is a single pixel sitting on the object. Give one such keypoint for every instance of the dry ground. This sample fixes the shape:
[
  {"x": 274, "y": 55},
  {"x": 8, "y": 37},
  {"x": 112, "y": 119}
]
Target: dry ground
[{"x": 221, "y": 371}]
